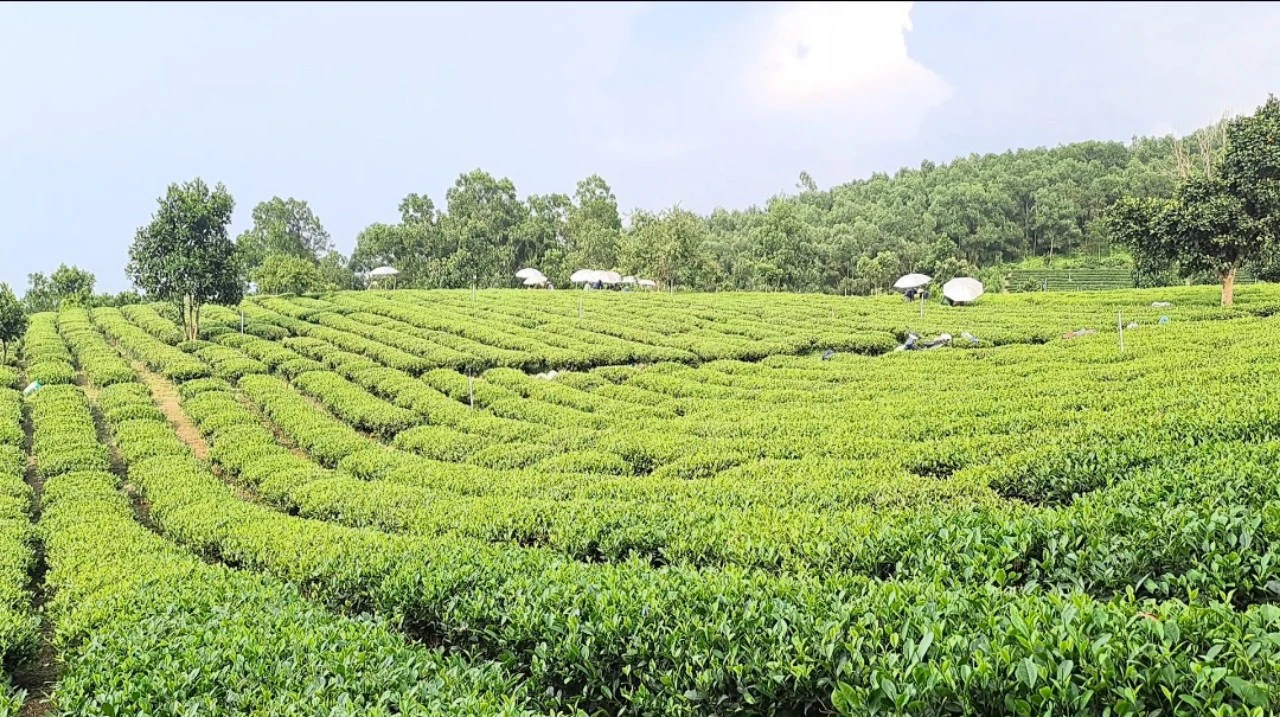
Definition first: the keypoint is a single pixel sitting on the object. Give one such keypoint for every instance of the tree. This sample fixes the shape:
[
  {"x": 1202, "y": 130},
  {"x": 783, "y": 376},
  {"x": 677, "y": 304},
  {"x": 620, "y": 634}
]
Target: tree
[
  {"x": 39, "y": 296},
  {"x": 541, "y": 240},
  {"x": 481, "y": 226},
  {"x": 13, "y": 321},
  {"x": 665, "y": 247},
  {"x": 335, "y": 272},
  {"x": 284, "y": 274},
  {"x": 1221, "y": 217},
  {"x": 282, "y": 226},
  {"x": 594, "y": 225},
  {"x": 184, "y": 255},
  {"x": 1251, "y": 169},
  {"x": 405, "y": 247},
  {"x": 69, "y": 285}
]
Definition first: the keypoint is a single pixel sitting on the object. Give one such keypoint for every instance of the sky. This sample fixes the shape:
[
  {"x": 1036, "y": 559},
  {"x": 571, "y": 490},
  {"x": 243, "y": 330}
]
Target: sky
[{"x": 352, "y": 106}]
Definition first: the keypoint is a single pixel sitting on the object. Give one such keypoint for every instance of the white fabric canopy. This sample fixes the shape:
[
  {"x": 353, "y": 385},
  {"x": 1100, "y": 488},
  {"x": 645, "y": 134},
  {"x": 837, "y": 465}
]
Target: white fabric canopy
[
  {"x": 528, "y": 273},
  {"x": 384, "y": 271},
  {"x": 962, "y": 289},
  {"x": 647, "y": 283},
  {"x": 912, "y": 281}
]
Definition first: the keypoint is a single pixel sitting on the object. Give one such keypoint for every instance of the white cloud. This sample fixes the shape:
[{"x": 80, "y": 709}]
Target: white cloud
[{"x": 854, "y": 55}]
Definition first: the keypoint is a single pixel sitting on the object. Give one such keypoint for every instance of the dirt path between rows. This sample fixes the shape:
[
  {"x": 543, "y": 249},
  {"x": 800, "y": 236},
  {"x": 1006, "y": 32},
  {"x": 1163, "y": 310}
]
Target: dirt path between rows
[{"x": 167, "y": 399}]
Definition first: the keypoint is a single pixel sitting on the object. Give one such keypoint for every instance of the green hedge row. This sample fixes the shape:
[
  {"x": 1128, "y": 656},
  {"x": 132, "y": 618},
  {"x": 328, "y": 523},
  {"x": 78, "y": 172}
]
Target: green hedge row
[
  {"x": 139, "y": 621},
  {"x": 169, "y": 361},
  {"x": 18, "y": 622}
]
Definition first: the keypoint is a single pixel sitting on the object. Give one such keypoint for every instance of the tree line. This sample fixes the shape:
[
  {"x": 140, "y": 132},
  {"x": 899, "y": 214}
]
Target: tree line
[{"x": 1200, "y": 207}]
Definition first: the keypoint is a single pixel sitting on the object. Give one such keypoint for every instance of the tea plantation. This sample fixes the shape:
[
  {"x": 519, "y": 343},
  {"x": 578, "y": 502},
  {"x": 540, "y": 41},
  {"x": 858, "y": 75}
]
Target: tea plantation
[{"x": 385, "y": 503}]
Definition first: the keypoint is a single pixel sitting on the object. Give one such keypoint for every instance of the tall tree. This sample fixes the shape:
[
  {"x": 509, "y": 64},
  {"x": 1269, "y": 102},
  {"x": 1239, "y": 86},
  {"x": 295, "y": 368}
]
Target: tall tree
[
  {"x": 1221, "y": 217},
  {"x": 665, "y": 247},
  {"x": 594, "y": 225},
  {"x": 541, "y": 240},
  {"x": 13, "y": 321},
  {"x": 185, "y": 255},
  {"x": 283, "y": 226},
  {"x": 483, "y": 220}
]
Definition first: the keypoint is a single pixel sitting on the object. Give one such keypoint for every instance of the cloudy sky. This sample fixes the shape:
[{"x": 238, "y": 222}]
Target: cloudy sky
[{"x": 351, "y": 107}]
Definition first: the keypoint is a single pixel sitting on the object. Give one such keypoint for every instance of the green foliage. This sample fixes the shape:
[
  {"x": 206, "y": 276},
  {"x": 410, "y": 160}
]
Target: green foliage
[
  {"x": 284, "y": 274},
  {"x": 1217, "y": 222},
  {"x": 169, "y": 361},
  {"x": 101, "y": 364},
  {"x": 139, "y": 620},
  {"x": 184, "y": 255},
  {"x": 328, "y": 439},
  {"x": 978, "y": 210},
  {"x": 13, "y": 321},
  {"x": 18, "y": 623},
  {"x": 66, "y": 286},
  {"x": 149, "y": 318},
  {"x": 354, "y": 405},
  {"x": 46, "y": 356},
  {"x": 282, "y": 227},
  {"x": 1027, "y": 524}
]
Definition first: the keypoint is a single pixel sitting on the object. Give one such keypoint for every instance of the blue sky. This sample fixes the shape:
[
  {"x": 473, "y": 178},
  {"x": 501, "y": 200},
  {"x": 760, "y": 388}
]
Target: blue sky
[{"x": 351, "y": 107}]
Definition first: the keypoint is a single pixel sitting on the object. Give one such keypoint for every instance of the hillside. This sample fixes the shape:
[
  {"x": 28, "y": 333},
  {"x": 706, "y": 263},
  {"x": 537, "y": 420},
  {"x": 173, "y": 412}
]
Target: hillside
[{"x": 368, "y": 504}]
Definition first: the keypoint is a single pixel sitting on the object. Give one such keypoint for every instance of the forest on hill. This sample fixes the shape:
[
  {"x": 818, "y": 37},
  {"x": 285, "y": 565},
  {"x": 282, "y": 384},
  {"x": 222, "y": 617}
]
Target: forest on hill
[
  {"x": 999, "y": 217},
  {"x": 963, "y": 217}
]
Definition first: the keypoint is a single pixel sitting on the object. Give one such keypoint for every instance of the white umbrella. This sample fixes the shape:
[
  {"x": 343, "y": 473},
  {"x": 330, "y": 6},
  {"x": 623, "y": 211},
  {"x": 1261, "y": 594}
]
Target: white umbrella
[
  {"x": 609, "y": 277},
  {"x": 528, "y": 273},
  {"x": 628, "y": 280},
  {"x": 912, "y": 281},
  {"x": 582, "y": 275},
  {"x": 647, "y": 283},
  {"x": 384, "y": 271},
  {"x": 962, "y": 289},
  {"x": 535, "y": 281}
]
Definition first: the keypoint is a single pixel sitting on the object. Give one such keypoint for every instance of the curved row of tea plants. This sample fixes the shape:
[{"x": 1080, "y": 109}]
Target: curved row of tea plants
[
  {"x": 139, "y": 620},
  {"x": 18, "y": 623},
  {"x": 44, "y": 354},
  {"x": 680, "y": 641},
  {"x": 167, "y": 360},
  {"x": 101, "y": 364}
]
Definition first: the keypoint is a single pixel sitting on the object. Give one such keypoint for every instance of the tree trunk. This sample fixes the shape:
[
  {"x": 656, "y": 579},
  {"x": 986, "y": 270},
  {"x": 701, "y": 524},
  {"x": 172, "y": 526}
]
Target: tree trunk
[
  {"x": 190, "y": 318},
  {"x": 1228, "y": 286}
]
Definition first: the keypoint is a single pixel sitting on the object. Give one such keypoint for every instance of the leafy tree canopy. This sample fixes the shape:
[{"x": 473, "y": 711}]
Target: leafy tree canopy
[
  {"x": 283, "y": 226},
  {"x": 13, "y": 321},
  {"x": 185, "y": 255}
]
